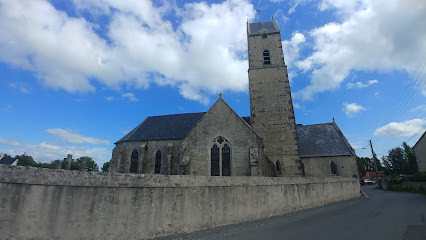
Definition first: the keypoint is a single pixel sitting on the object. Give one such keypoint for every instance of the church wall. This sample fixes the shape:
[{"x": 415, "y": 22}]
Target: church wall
[
  {"x": 320, "y": 166},
  {"x": 220, "y": 120},
  {"x": 146, "y": 151},
  {"x": 62, "y": 204}
]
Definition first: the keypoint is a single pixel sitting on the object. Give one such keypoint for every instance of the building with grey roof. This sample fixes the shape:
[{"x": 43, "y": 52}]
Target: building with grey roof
[
  {"x": 219, "y": 142},
  {"x": 8, "y": 160}
]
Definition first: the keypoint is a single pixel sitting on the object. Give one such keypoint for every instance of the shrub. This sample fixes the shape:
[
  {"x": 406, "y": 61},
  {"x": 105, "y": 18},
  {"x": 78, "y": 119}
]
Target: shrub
[{"x": 396, "y": 178}]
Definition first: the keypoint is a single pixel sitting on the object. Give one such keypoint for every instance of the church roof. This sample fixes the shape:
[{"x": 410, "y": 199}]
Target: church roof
[
  {"x": 267, "y": 27},
  {"x": 319, "y": 140},
  {"x": 322, "y": 140},
  {"x": 166, "y": 127}
]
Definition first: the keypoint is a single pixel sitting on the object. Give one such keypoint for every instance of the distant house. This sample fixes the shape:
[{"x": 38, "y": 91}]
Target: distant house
[
  {"x": 420, "y": 152},
  {"x": 7, "y": 160},
  {"x": 372, "y": 175}
]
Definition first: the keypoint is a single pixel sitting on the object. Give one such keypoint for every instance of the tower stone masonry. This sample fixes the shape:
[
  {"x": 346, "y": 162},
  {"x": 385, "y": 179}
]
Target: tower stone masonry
[{"x": 271, "y": 106}]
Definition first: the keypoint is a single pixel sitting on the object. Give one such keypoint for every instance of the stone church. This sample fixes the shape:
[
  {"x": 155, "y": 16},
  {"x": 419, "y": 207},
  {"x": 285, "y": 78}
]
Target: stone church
[{"x": 219, "y": 142}]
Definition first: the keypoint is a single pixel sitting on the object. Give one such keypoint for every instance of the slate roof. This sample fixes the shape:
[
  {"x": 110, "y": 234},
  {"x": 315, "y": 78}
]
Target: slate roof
[
  {"x": 247, "y": 119},
  {"x": 319, "y": 140},
  {"x": 166, "y": 127},
  {"x": 7, "y": 160},
  {"x": 322, "y": 140},
  {"x": 256, "y": 28}
]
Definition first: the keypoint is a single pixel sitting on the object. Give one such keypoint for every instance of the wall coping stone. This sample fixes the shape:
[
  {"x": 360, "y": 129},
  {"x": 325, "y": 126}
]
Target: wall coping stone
[{"x": 60, "y": 177}]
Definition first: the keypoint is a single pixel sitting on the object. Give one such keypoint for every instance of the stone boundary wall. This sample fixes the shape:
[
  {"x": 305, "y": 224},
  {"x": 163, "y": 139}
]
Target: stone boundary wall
[
  {"x": 414, "y": 185},
  {"x": 60, "y": 204}
]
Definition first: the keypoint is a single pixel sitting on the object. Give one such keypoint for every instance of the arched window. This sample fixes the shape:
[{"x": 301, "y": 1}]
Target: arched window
[
  {"x": 226, "y": 161},
  {"x": 215, "y": 170},
  {"x": 333, "y": 168},
  {"x": 266, "y": 57},
  {"x": 220, "y": 158},
  {"x": 157, "y": 165},
  {"x": 134, "y": 162},
  {"x": 278, "y": 166}
]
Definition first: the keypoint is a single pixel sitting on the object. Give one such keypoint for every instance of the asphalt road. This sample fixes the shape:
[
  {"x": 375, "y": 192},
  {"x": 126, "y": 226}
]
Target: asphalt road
[{"x": 382, "y": 215}]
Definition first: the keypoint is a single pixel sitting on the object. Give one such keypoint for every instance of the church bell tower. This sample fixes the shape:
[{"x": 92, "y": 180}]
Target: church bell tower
[{"x": 271, "y": 107}]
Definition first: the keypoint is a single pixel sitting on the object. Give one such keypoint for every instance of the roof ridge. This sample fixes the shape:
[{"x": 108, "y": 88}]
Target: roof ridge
[
  {"x": 175, "y": 114},
  {"x": 315, "y": 124}
]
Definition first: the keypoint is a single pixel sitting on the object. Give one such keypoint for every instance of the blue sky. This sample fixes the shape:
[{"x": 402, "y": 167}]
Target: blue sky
[{"x": 76, "y": 76}]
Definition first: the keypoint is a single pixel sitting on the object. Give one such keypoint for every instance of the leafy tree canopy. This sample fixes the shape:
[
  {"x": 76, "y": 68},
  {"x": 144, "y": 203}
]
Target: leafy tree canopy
[
  {"x": 105, "y": 167},
  {"x": 85, "y": 163},
  {"x": 401, "y": 160},
  {"x": 25, "y": 160}
]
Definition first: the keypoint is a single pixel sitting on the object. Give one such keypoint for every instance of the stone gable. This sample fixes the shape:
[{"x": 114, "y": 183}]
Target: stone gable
[{"x": 222, "y": 121}]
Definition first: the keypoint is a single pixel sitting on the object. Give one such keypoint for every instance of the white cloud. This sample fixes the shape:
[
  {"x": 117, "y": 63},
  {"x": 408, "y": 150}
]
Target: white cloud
[
  {"x": 361, "y": 84},
  {"x": 9, "y": 142},
  {"x": 75, "y": 137},
  {"x": 24, "y": 90},
  {"x": 20, "y": 87},
  {"x": 419, "y": 108},
  {"x": 402, "y": 129},
  {"x": 351, "y": 109},
  {"x": 138, "y": 42},
  {"x": 380, "y": 35},
  {"x": 291, "y": 51},
  {"x": 129, "y": 96},
  {"x": 357, "y": 147},
  {"x": 297, "y": 106},
  {"x": 125, "y": 131},
  {"x": 7, "y": 108}
]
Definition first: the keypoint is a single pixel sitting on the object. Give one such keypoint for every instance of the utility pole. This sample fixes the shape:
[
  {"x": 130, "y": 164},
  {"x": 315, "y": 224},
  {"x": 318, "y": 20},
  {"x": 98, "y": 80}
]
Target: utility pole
[{"x": 375, "y": 166}]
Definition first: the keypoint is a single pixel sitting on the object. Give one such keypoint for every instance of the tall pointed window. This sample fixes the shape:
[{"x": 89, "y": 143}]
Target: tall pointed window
[
  {"x": 220, "y": 158},
  {"x": 333, "y": 168},
  {"x": 157, "y": 165},
  {"x": 266, "y": 57},
  {"x": 215, "y": 171},
  {"x": 134, "y": 162},
  {"x": 278, "y": 166},
  {"x": 226, "y": 160}
]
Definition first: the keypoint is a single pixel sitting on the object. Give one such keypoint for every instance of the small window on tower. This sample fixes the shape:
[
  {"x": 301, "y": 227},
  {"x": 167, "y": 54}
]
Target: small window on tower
[
  {"x": 264, "y": 35},
  {"x": 266, "y": 58}
]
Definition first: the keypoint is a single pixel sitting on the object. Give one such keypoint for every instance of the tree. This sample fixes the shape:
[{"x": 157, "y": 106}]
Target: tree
[
  {"x": 7, "y": 156},
  {"x": 25, "y": 160},
  {"x": 85, "y": 163},
  {"x": 361, "y": 166},
  {"x": 366, "y": 164},
  {"x": 395, "y": 162},
  {"x": 401, "y": 160},
  {"x": 105, "y": 167},
  {"x": 411, "y": 159},
  {"x": 57, "y": 164},
  {"x": 52, "y": 165}
]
